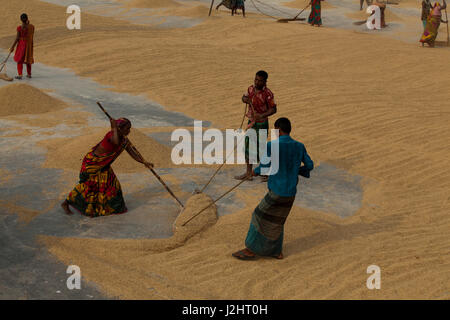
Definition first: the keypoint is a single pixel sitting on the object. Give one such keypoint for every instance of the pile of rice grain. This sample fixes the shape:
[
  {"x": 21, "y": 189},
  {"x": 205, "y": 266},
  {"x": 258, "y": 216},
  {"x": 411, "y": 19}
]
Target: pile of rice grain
[
  {"x": 24, "y": 99},
  {"x": 194, "y": 205}
]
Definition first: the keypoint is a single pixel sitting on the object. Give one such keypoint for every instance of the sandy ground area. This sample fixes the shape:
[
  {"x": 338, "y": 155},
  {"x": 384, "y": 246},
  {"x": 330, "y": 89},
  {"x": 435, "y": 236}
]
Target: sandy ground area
[{"x": 372, "y": 105}]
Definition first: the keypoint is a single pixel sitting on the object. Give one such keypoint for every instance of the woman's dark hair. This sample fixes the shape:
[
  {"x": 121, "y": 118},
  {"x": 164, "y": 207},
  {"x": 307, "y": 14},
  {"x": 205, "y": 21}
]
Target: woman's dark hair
[
  {"x": 262, "y": 74},
  {"x": 123, "y": 122},
  {"x": 283, "y": 124},
  {"x": 24, "y": 17}
]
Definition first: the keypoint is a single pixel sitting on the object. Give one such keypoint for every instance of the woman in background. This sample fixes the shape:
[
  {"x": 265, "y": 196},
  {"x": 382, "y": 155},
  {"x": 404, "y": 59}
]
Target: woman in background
[
  {"x": 24, "y": 50},
  {"x": 315, "y": 15},
  {"x": 433, "y": 23},
  {"x": 233, "y": 5},
  {"x": 426, "y": 8},
  {"x": 238, "y": 4}
]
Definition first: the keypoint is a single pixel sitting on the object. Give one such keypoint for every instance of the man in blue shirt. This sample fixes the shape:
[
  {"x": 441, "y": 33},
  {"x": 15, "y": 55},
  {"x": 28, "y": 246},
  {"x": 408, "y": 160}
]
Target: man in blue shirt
[{"x": 265, "y": 235}]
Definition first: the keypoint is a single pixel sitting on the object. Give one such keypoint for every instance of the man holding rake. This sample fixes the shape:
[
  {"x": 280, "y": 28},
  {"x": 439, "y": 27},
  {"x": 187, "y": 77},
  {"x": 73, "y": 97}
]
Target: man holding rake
[
  {"x": 265, "y": 235},
  {"x": 262, "y": 106}
]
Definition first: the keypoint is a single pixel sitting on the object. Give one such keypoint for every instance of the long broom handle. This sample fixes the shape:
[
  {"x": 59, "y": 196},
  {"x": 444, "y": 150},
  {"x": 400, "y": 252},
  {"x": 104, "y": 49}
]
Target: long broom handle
[
  {"x": 217, "y": 170},
  {"x": 142, "y": 158},
  {"x": 302, "y": 10},
  {"x": 4, "y": 62},
  {"x": 215, "y": 201},
  {"x": 210, "y": 8}
]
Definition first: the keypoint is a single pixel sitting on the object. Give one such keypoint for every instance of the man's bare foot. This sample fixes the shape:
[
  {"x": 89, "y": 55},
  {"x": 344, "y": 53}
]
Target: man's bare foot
[
  {"x": 244, "y": 176},
  {"x": 65, "y": 206},
  {"x": 280, "y": 256},
  {"x": 244, "y": 254}
]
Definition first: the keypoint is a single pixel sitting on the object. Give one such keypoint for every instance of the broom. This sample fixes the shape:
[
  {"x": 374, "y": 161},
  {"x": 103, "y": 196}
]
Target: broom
[{"x": 3, "y": 75}]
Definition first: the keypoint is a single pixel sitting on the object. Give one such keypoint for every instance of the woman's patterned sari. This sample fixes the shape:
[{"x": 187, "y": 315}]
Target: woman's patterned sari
[{"x": 99, "y": 192}]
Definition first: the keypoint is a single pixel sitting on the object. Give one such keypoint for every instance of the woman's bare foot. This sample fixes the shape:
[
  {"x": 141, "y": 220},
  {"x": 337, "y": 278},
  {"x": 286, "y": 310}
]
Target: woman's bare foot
[{"x": 65, "y": 206}]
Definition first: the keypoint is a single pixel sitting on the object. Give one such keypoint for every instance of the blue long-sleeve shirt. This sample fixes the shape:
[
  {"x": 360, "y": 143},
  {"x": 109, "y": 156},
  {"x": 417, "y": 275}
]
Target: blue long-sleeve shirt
[{"x": 291, "y": 155}]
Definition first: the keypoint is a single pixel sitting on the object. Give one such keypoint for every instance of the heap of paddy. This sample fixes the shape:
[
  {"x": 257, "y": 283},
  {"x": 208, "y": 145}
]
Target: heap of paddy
[{"x": 19, "y": 99}]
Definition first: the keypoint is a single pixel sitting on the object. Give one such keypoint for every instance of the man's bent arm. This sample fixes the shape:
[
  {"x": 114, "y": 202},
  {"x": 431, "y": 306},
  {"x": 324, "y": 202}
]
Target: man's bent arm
[{"x": 308, "y": 165}]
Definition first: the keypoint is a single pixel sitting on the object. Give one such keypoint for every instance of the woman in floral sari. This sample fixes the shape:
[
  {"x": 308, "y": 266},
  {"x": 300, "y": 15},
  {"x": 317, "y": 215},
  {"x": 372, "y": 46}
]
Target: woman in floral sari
[
  {"x": 99, "y": 192},
  {"x": 433, "y": 22},
  {"x": 315, "y": 15}
]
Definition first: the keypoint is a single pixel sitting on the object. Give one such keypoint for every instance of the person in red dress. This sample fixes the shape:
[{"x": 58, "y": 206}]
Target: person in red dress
[
  {"x": 98, "y": 192},
  {"x": 24, "y": 50}
]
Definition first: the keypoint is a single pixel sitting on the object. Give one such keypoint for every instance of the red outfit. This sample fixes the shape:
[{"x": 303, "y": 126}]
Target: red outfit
[
  {"x": 107, "y": 143},
  {"x": 21, "y": 51},
  {"x": 20, "y": 69},
  {"x": 262, "y": 101}
]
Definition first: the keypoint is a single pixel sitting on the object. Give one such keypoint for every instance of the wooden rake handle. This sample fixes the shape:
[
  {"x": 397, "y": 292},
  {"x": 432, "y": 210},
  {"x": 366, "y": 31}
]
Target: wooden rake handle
[
  {"x": 103, "y": 109},
  {"x": 249, "y": 126},
  {"x": 155, "y": 174}
]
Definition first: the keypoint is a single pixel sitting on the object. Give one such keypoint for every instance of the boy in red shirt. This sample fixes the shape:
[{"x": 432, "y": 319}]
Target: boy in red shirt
[{"x": 262, "y": 105}]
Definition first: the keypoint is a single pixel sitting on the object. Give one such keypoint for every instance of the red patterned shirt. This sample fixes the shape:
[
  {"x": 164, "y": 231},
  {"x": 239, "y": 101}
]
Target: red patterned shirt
[{"x": 262, "y": 101}]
